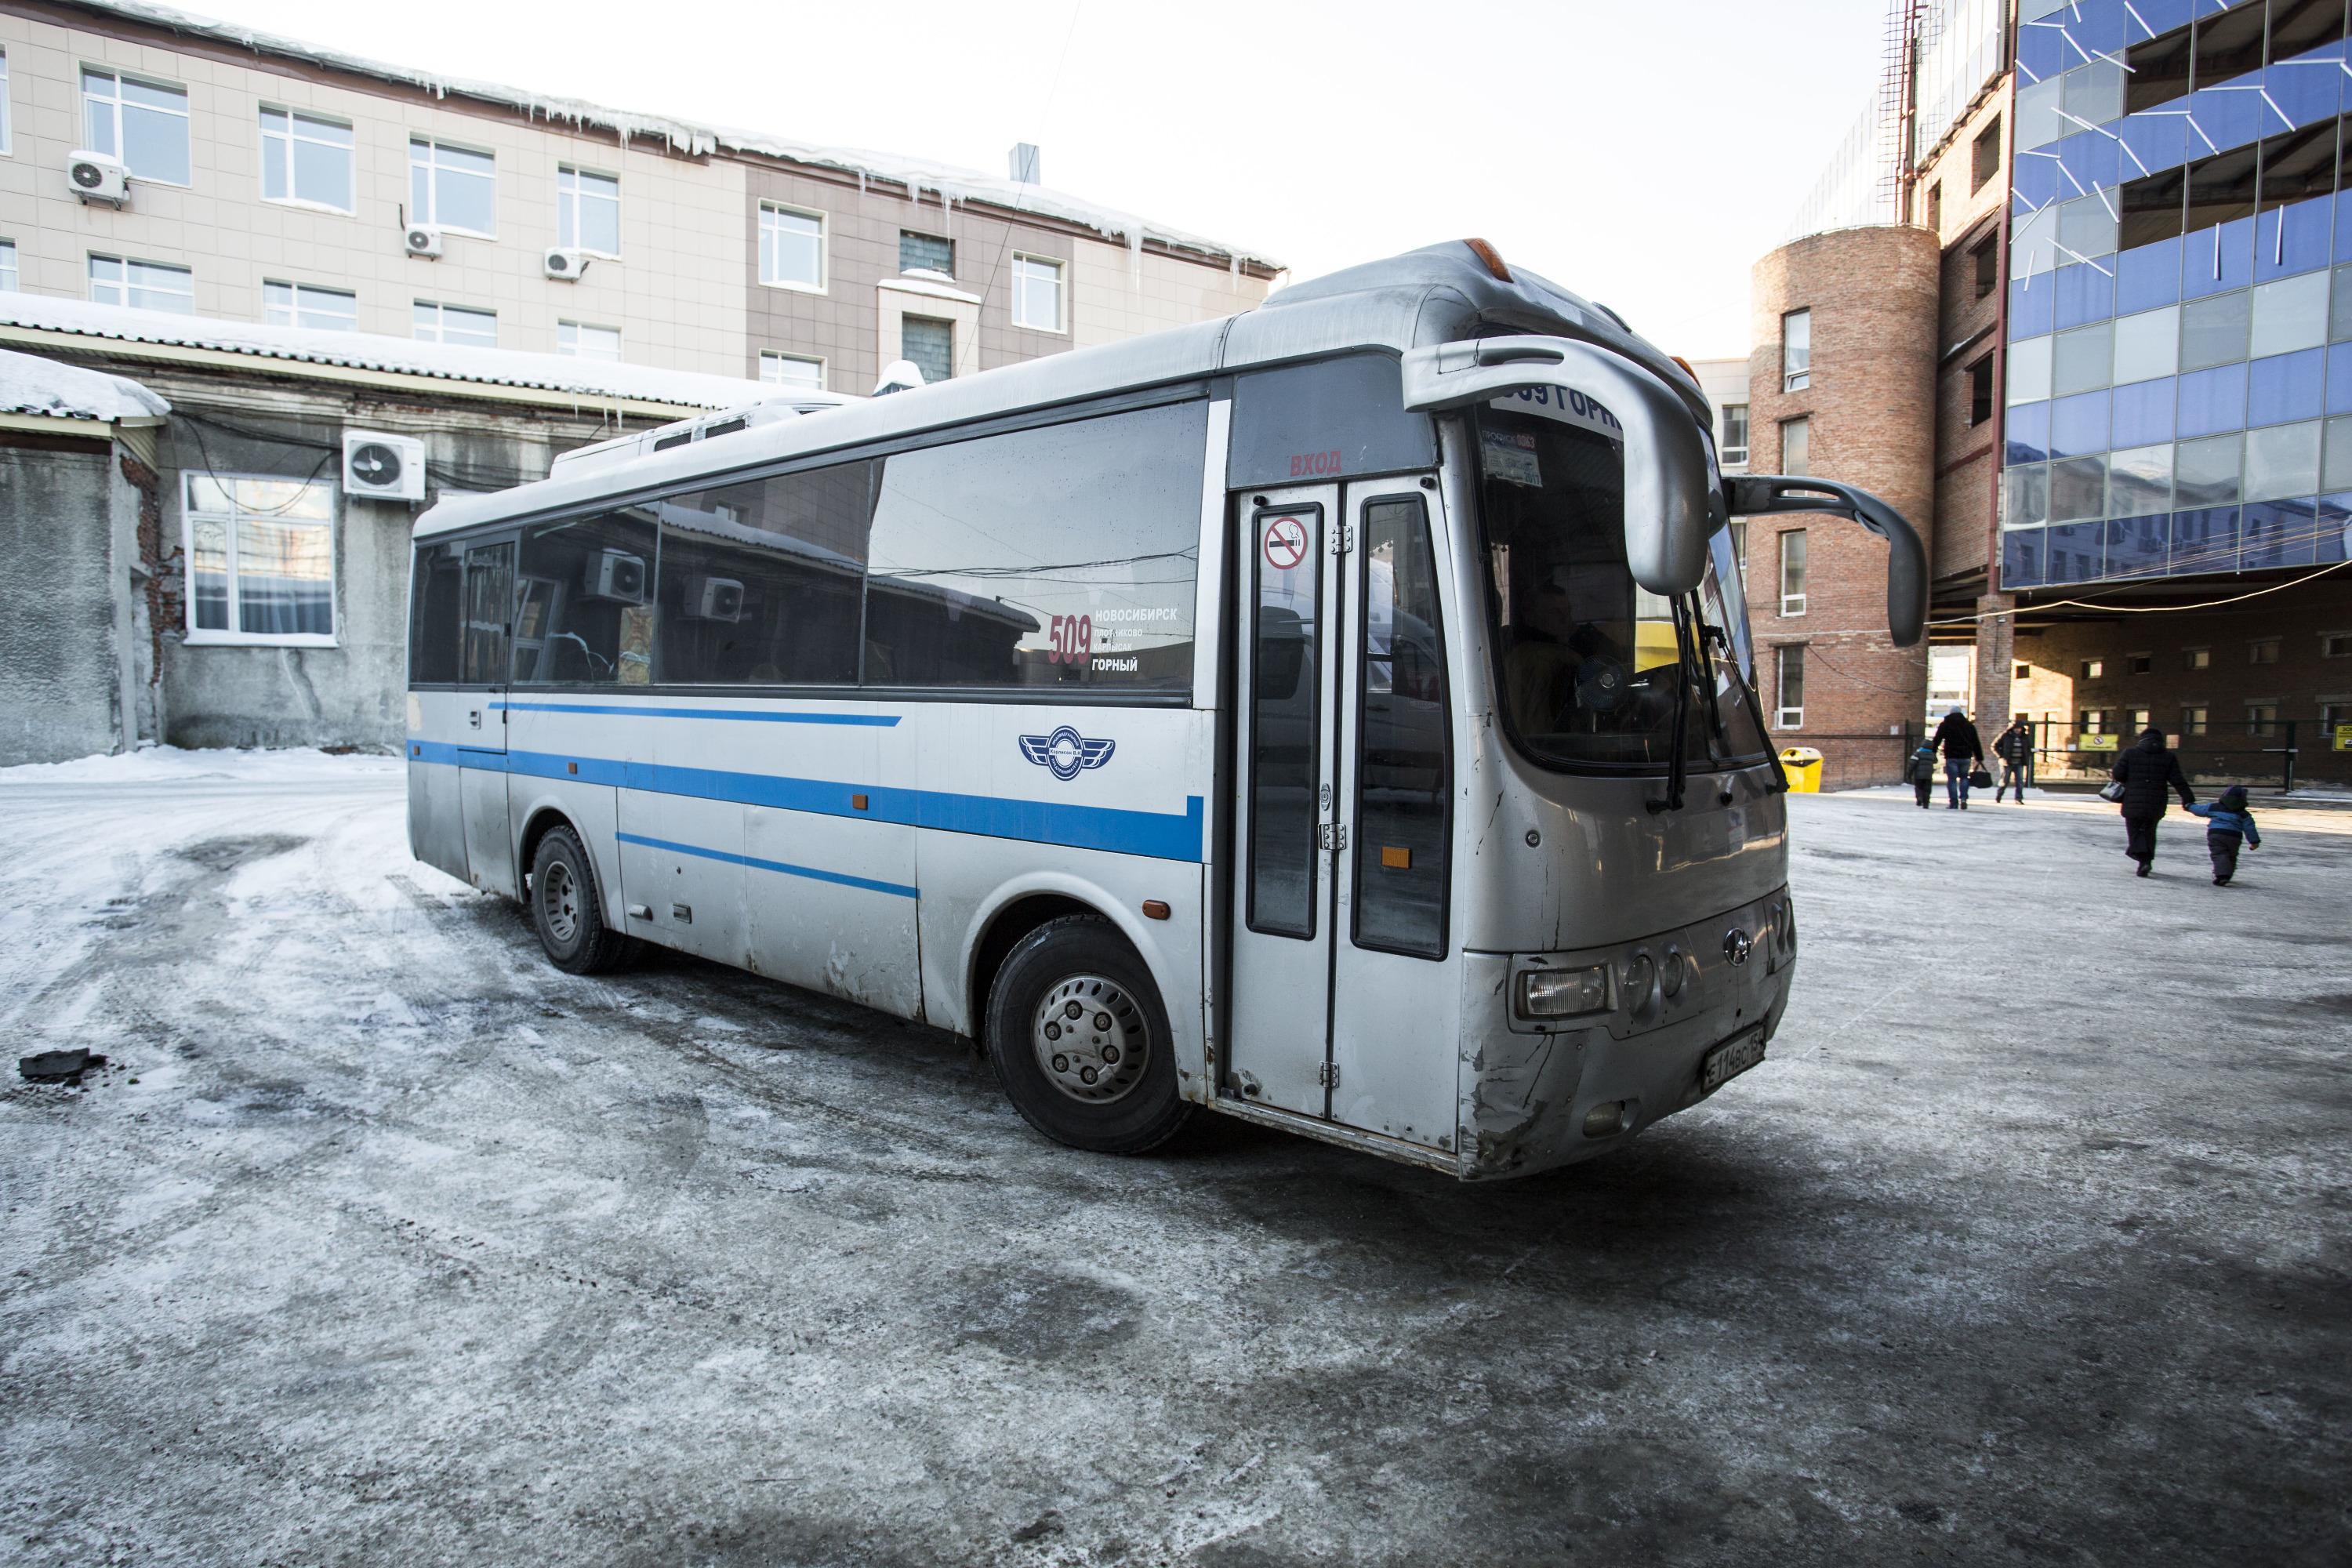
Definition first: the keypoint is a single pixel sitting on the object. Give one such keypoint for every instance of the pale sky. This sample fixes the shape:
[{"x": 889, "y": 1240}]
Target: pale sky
[{"x": 1642, "y": 152}]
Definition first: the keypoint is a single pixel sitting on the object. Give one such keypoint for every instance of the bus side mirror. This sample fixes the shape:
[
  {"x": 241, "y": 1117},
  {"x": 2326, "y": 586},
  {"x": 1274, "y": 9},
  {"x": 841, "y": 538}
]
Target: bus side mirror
[
  {"x": 1758, "y": 495},
  {"x": 1669, "y": 477}
]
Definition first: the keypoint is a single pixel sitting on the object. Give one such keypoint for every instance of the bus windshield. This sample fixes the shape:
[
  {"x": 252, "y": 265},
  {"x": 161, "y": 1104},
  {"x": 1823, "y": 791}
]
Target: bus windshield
[{"x": 1590, "y": 667}]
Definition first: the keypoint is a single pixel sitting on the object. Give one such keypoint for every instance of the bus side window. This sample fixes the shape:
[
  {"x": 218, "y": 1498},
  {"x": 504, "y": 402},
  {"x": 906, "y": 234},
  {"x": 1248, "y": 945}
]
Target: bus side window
[
  {"x": 759, "y": 581},
  {"x": 433, "y": 604},
  {"x": 1403, "y": 751},
  {"x": 584, "y": 615},
  {"x": 1285, "y": 744}
]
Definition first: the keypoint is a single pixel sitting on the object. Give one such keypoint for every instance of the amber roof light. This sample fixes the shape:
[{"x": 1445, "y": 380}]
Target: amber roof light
[{"x": 1490, "y": 258}]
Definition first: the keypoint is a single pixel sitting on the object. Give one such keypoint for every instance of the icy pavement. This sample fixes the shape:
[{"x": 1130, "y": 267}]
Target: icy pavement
[{"x": 2027, "y": 1243}]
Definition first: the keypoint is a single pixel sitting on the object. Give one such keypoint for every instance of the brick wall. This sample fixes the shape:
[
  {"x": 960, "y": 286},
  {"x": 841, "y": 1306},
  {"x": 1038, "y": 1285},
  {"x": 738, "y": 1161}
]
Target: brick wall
[{"x": 1874, "y": 298}]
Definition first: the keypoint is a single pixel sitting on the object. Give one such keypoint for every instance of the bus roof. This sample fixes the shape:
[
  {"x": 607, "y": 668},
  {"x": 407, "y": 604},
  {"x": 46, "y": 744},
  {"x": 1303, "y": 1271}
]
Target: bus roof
[{"x": 1438, "y": 294}]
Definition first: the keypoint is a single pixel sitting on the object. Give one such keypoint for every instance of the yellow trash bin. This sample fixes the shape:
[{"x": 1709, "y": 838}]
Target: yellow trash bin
[{"x": 1803, "y": 766}]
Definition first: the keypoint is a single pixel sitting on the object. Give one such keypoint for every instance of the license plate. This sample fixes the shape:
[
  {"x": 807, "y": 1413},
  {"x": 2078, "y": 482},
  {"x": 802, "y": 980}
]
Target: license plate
[{"x": 1729, "y": 1059}]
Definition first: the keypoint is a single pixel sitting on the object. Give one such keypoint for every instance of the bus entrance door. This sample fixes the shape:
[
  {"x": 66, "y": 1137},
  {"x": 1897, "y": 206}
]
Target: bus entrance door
[
  {"x": 1342, "y": 1005},
  {"x": 483, "y": 670}
]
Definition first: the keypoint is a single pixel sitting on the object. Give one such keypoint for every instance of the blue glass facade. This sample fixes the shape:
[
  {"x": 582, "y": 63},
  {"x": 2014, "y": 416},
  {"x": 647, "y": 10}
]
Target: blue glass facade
[{"x": 2179, "y": 364}]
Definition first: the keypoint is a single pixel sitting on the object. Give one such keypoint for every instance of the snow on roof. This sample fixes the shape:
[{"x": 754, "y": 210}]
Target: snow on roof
[
  {"x": 948, "y": 180},
  {"x": 591, "y": 381},
  {"x": 31, "y": 384}
]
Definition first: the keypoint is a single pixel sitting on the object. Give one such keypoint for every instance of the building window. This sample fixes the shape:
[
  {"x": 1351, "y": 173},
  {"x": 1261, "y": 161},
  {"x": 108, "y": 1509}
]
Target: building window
[
  {"x": 2141, "y": 718},
  {"x": 1789, "y": 712},
  {"x": 1037, "y": 293},
  {"x": 306, "y": 160},
  {"x": 791, "y": 370},
  {"x": 1797, "y": 445},
  {"x": 587, "y": 211},
  {"x": 2094, "y": 721},
  {"x": 2263, "y": 650},
  {"x": 142, "y": 123},
  {"x": 1936, "y": 207},
  {"x": 2094, "y": 668},
  {"x": 1734, "y": 434},
  {"x": 792, "y": 249},
  {"x": 2021, "y": 672},
  {"x": 1981, "y": 391},
  {"x": 1984, "y": 157},
  {"x": 1796, "y": 351},
  {"x": 2138, "y": 663},
  {"x": 930, "y": 343},
  {"x": 2336, "y": 645},
  {"x": 1739, "y": 544},
  {"x": 453, "y": 188},
  {"x": 582, "y": 342},
  {"x": 925, "y": 253},
  {"x": 5, "y": 148},
  {"x": 1792, "y": 571},
  {"x": 7, "y": 267},
  {"x": 145, "y": 285},
  {"x": 2194, "y": 720},
  {"x": 1986, "y": 259},
  {"x": 456, "y": 324},
  {"x": 2196, "y": 659},
  {"x": 307, "y": 305},
  {"x": 261, "y": 560},
  {"x": 2262, "y": 718}
]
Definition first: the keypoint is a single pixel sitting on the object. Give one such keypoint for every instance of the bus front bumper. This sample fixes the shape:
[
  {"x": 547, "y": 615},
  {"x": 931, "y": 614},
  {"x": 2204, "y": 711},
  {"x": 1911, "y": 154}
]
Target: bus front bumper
[{"x": 1536, "y": 1094}]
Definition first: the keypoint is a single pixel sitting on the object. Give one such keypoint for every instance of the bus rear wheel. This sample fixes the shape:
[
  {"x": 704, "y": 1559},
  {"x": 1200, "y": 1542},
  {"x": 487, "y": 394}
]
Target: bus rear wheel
[
  {"x": 1079, "y": 1039},
  {"x": 567, "y": 909}
]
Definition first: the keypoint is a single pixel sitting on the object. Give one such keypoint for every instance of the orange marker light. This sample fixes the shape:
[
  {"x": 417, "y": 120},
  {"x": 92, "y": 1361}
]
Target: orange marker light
[
  {"x": 1153, "y": 910},
  {"x": 1491, "y": 258}
]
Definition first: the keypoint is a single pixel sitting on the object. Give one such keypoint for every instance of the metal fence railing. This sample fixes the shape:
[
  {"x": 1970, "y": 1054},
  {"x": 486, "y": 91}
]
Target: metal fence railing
[{"x": 2268, "y": 754}]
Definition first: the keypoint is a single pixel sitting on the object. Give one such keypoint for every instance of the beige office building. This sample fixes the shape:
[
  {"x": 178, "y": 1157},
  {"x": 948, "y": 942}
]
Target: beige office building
[{"x": 263, "y": 180}]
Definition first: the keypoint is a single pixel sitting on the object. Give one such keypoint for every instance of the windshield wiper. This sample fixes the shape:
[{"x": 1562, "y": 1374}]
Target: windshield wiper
[{"x": 1676, "y": 770}]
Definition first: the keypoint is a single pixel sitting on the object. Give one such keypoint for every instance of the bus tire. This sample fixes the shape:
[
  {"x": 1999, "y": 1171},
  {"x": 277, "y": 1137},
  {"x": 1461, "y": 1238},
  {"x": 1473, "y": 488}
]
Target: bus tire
[
  {"x": 567, "y": 909},
  {"x": 1072, "y": 1010}
]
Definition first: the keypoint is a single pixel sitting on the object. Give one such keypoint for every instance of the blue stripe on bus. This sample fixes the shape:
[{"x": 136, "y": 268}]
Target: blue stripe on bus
[
  {"x": 1163, "y": 836},
  {"x": 811, "y": 872},
  {"x": 737, "y": 715}
]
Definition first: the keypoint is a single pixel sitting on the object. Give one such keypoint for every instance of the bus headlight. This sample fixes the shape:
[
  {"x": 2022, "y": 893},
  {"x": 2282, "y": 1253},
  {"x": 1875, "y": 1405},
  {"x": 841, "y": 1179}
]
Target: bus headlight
[{"x": 1563, "y": 993}]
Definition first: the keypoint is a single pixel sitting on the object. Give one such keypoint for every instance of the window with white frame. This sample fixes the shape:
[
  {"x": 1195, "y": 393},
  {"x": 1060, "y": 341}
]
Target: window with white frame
[
  {"x": 305, "y": 159},
  {"x": 791, "y": 370},
  {"x": 454, "y": 188},
  {"x": 438, "y": 323},
  {"x": 792, "y": 249},
  {"x": 261, "y": 560},
  {"x": 1789, "y": 703},
  {"x": 1037, "y": 294},
  {"x": 1796, "y": 351},
  {"x": 1735, "y": 434},
  {"x": 587, "y": 211},
  {"x": 145, "y": 124},
  {"x": 307, "y": 305},
  {"x": 1797, "y": 445},
  {"x": 147, "y": 285},
  {"x": 583, "y": 342},
  {"x": 1792, "y": 571},
  {"x": 7, "y": 267}
]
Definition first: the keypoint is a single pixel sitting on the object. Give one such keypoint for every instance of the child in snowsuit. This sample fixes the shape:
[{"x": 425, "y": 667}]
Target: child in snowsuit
[
  {"x": 2227, "y": 824},
  {"x": 1921, "y": 773}
]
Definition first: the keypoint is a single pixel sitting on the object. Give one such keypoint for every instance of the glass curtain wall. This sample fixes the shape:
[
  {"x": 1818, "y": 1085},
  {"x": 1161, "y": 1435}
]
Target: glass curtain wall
[{"x": 2180, "y": 381}]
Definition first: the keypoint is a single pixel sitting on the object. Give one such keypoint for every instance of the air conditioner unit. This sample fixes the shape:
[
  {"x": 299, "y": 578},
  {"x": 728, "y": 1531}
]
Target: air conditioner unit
[
  {"x": 713, "y": 598},
  {"x": 422, "y": 239},
  {"x": 382, "y": 467},
  {"x": 615, "y": 575},
  {"x": 95, "y": 177},
  {"x": 565, "y": 263}
]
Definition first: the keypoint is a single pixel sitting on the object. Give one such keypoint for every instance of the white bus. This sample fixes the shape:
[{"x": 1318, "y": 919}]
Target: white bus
[{"x": 1340, "y": 715}]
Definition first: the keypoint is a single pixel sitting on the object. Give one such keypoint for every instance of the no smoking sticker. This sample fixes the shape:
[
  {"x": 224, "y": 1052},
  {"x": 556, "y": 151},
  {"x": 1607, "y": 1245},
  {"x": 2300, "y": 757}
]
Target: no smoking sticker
[{"x": 1286, "y": 543}]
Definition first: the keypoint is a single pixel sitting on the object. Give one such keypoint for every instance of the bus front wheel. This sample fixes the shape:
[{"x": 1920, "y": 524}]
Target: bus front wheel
[
  {"x": 567, "y": 909},
  {"x": 1080, "y": 1039}
]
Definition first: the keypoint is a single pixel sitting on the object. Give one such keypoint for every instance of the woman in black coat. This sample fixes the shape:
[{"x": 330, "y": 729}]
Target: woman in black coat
[{"x": 2148, "y": 772}]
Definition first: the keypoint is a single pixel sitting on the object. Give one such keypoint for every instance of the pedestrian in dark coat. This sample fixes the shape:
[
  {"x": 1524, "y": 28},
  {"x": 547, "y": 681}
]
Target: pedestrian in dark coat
[
  {"x": 2148, "y": 773},
  {"x": 2015, "y": 749},
  {"x": 2228, "y": 823},
  {"x": 1920, "y": 772},
  {"x": 1963, "y": 752}
]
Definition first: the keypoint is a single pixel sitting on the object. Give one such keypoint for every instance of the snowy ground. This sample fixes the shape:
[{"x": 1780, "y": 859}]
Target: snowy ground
[{"x": 2027, "y": 1243}]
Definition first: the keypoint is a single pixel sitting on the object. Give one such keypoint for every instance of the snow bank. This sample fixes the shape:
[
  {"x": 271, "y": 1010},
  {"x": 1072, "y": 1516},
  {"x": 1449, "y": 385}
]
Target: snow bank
[
  {"x": 172, "y": 764},
  {"x": 948, "y": 182},
  {"x": 591, "y": 381},
  {"x": 31, "y": 384}
]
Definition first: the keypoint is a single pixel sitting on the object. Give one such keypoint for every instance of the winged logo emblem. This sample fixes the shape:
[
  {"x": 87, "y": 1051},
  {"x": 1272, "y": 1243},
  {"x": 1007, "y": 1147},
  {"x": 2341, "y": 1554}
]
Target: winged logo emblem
[{"x": 1066, "y": 752}]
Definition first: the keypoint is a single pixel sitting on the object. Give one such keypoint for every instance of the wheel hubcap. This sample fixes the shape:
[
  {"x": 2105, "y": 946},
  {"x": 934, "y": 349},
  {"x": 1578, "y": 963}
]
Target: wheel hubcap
[
  {"x": 1091, "y": 1039},
  {"x": 558, "y": 901}
]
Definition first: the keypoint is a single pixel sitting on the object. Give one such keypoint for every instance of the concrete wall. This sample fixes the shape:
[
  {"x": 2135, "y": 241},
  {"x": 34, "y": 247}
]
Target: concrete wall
[
  {"x": 1874, "y": 297},
  {"x": 62, "y": 507}
]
